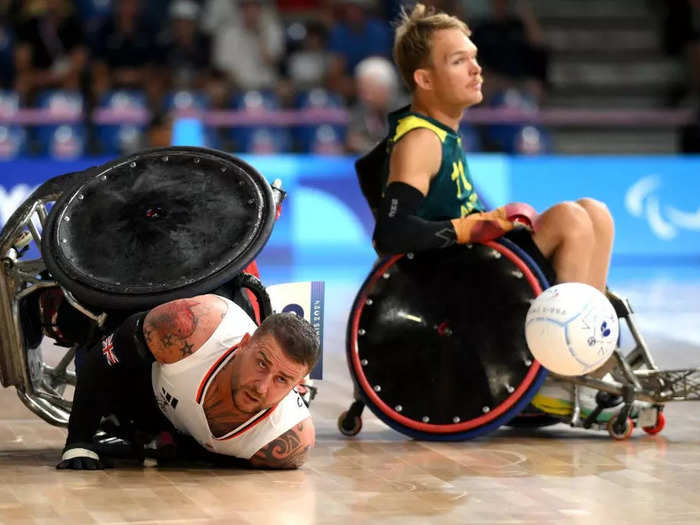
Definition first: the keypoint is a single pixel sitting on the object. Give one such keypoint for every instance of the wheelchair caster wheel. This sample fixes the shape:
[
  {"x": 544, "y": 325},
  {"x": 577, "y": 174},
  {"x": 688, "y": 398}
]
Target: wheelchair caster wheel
[
  {"x": 618, "y": 433},
  {"x": 660, "y": 424},
  {"x": 349, "y": 426}
]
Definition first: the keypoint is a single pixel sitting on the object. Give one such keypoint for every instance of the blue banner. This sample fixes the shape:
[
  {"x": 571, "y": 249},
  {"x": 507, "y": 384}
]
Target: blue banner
[
  {"x": 655, "y": 201},
  {"x": 326, "y": 222}
]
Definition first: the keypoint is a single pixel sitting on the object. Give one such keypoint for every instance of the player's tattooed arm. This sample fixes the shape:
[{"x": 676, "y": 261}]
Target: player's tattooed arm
[
  {"x": 178, "y": 328},
  {"x": 288, "y": 451}
]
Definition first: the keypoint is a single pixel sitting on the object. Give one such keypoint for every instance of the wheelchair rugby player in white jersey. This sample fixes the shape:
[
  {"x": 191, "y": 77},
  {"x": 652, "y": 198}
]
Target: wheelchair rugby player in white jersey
[
  {"x": 213, "y": 375},
  {"x": 145, "y": 280}
]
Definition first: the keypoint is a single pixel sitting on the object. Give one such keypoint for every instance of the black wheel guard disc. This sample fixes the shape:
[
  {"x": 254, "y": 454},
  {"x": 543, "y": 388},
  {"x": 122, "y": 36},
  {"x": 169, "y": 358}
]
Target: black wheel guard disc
[
  {"x": 439, "y": 338},
  {"x": 158, "y": 225}
]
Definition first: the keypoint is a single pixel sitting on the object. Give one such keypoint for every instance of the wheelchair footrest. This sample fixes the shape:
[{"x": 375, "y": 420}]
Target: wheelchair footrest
[{"x": 671, "y": 385}]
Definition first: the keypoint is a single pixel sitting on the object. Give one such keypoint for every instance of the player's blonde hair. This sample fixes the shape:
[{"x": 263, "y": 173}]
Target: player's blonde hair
[{"x": 414, "y": 33}]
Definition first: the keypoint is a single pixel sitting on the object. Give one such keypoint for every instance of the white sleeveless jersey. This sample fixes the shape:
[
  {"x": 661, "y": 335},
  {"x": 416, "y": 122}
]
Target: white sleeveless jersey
[{"x": 180, "y": 389}]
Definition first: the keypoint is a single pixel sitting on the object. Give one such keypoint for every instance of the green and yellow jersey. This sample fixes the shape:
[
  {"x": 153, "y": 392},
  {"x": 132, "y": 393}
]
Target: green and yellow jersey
[{"x": 451, "y": 193}]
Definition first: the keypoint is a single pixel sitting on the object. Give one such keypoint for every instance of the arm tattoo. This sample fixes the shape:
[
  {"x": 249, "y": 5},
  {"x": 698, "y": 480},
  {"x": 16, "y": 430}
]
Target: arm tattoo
[
  {"x": 186, "y": 349},
  {"x": 171, "y": 323},
  {"x": 285, "y": 452}
]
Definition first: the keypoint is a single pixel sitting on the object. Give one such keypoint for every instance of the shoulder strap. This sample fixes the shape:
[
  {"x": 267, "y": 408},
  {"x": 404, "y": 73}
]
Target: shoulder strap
[{"x": 411, "y": 122}]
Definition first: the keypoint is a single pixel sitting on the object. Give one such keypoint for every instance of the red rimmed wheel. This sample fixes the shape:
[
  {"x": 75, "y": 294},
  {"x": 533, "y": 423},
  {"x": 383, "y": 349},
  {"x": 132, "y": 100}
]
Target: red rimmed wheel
[
  {"x": 618, "y": 432},
  {"x": 410, "y": 325},
  {"x": 660, "y": 424}
]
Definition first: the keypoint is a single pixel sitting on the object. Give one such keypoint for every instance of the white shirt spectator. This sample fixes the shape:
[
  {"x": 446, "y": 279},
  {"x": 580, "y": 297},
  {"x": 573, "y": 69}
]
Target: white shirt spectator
[{"x": 250, "y": 51}]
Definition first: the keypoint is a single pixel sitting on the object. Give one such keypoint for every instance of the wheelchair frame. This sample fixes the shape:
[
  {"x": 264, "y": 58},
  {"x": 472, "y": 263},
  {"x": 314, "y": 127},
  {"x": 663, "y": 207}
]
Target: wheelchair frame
[
  {"x": 39, "y": 386},
  {"x": 634, "y": 377}
]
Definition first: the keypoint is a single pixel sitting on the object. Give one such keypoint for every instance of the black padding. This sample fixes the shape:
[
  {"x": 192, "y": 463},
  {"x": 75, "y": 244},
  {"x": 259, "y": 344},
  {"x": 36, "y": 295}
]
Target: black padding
[
  {"x": 441, "y": 335},
  {"x": 371, "y": 171},
  {"x": 157, "y": 226},
  {"x": 522, "y": 237}
]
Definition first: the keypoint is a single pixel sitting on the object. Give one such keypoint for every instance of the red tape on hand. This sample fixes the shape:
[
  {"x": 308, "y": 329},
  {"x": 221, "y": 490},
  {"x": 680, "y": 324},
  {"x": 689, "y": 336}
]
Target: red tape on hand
[{"x": 521, "y": 213}]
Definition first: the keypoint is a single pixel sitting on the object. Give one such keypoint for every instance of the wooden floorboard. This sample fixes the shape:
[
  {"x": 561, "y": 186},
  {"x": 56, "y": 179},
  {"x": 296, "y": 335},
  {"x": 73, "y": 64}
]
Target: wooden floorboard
[{"x": 549, "y": 475}]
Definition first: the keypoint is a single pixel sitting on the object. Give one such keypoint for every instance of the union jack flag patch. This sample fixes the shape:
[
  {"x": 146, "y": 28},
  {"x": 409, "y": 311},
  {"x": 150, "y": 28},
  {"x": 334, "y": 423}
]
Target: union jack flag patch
[{"x": 108, "y": 351}]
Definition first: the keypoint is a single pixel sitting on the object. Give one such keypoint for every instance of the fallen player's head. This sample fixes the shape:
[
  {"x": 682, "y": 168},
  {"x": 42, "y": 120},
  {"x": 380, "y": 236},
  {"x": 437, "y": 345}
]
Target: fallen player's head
[{"x": 272, "y": 361}]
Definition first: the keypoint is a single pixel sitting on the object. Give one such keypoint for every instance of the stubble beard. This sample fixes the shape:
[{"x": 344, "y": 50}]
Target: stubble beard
[{"x": 242, "y": 391}]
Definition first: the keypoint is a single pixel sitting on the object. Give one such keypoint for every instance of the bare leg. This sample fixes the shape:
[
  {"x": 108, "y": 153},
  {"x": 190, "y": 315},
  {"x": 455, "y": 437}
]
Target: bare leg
[
  {"x": 565, "y": 235},
  {"x": 604, "y": 232},
  {"x": 577, "y": 237}
]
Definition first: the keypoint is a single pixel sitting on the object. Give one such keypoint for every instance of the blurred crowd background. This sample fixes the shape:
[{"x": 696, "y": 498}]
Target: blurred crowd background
[{"x": 103, "y": 77}]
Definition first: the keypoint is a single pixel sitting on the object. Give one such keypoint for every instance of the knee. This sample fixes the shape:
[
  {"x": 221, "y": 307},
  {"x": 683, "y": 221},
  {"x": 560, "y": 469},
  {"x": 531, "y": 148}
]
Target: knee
[
  {"x": 599, "y": 214},
  {"x": 573, "y": 219}
]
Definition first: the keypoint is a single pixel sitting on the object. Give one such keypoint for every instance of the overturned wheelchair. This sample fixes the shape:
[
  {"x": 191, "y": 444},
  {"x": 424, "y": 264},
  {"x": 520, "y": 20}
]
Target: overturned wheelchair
[
  {"x": 87, "y": 249},
  {"x": 436, "y": 349}
]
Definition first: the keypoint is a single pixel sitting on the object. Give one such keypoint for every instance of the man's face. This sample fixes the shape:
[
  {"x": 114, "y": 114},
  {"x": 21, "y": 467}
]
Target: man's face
[
  {"x": 454, "y": 70},
  {"x": 262, "y": 374}
]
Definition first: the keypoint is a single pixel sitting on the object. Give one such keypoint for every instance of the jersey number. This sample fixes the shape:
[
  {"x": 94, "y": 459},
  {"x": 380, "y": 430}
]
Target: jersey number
[{"x": 460, "y": 179}]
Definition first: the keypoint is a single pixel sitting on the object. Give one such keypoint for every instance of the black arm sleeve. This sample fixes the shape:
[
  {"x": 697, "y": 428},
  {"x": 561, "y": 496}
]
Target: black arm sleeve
[{"x": 400, "y": 230}]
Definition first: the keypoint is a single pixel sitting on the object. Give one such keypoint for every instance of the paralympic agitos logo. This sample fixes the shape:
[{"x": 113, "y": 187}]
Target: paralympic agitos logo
[{"x": 643, "y": 200}]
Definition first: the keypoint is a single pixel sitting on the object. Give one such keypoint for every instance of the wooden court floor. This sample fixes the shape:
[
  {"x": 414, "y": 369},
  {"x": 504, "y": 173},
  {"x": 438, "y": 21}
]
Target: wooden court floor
[{"x": 550, "y": 475}]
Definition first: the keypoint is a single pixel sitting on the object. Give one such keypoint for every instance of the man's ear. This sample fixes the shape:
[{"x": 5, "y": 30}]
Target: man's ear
[
  {"x": 244, "y": 339},
  {"x": 423, "y": 78}
]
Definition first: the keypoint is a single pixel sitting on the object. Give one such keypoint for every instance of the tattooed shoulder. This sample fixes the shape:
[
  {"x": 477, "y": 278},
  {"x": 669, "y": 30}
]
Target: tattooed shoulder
[
  {"x": 167, "y": 328},
  {"x": 223, "y": 311},
  {"x": 178, "y": 328}
]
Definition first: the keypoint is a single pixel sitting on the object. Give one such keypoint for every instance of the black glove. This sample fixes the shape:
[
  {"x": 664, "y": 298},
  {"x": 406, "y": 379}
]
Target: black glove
[{"x": 80, "y": 456}]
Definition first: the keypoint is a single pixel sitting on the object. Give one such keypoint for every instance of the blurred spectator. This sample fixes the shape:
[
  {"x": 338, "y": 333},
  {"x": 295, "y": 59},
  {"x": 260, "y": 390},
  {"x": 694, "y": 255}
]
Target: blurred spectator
[
  {"x": 126, "y": 52},
  {"x": 50, "y": 50},
  {"x": 7, "y": 50},
  {"x": 185, "y": 49},
  {"x": 249, "y": 53},
  {"x": 377, "y": 86},
  {"x": 511, "y": 47},
  {"x": 220, "y": 14},
  {"x": 514, "y": 137},
  {"x": 307, "y": 67},
  {"x": 356, "y": 35},
  {"x": 217, "y": 15}
]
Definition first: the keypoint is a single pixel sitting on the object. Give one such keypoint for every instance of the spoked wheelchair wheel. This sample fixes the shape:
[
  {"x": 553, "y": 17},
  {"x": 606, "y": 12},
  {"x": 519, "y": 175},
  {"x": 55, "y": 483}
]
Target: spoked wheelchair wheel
[{"x": 436, "y": 343}]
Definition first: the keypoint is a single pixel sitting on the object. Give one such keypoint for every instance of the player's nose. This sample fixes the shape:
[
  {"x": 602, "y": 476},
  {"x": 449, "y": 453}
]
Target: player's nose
[{"x": 262, "y": 386}]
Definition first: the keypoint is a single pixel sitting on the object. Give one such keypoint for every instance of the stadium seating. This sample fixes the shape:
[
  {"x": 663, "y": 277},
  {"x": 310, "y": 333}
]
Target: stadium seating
[
  {"x": 64, "y": 138},
  {"x": 123, "y": 137},
  {"x": 259, "y": 138},
  {"x": 320, "y": 138}
]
